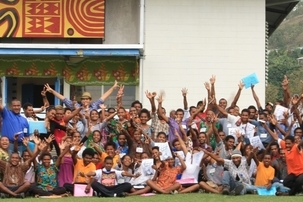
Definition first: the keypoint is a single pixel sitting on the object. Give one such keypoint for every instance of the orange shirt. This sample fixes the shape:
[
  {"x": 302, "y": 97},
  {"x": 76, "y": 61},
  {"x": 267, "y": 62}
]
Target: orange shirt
[
  {"x": 294, "y": 159},
  {"x": 264, "y": 175},
  {"x": 79, "y": 167},
  {"x": 115, "y": 159},
  {"x": 167, "y": 176}
]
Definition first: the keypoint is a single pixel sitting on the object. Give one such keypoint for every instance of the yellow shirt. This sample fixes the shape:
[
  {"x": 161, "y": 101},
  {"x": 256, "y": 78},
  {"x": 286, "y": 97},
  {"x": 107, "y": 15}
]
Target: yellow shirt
[
  {"x": 264, "y": 175},
  {"x": 79, "y": 167},
  {"x": 115, "y": 159}
]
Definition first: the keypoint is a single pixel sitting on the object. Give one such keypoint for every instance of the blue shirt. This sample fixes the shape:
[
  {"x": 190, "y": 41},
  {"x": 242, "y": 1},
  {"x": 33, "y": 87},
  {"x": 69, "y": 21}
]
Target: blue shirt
[{"x": 13, "y": 123}]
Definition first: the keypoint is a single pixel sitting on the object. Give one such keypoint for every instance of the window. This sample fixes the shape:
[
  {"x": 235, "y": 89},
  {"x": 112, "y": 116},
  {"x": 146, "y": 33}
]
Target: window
[{"x": 97, "y": 91}]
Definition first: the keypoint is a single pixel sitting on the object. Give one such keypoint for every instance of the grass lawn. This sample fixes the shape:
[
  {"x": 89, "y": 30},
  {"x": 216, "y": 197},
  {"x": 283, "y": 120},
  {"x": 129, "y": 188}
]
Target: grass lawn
[{"x": 171, "y": 198}]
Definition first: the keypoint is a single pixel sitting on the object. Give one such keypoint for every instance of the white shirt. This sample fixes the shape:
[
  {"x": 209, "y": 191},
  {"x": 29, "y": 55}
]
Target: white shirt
[{"x": 98, "y": 175}]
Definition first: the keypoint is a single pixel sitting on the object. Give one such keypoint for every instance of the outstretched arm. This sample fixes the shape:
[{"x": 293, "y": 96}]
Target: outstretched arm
[
  {"x": 214, "y": 156},
  {"x": 151, "y": 97},
  {"x": 286, "y": 92},
  {"x": 184, "y": 93},
  {"x": 160, "y": 110},
  {"x": 236, "y": 98},
  {"x": 52, "y": 91},
  {"x": 110, "y": 91},
  {"x": 212, "y": 81},
  {"x": 256, "y": 98}
]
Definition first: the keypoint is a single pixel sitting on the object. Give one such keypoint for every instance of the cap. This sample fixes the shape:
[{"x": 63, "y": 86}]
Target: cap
[
  {"x": 86, "y": 95},
  {"x": 236, "y": 153},
  {"x": 269, "y": 103}
]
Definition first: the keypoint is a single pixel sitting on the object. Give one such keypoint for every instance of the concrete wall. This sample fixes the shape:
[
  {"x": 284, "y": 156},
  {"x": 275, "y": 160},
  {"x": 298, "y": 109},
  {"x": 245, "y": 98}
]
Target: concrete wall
[
  {"x": 186, "y": 42},
  {"x": 122, "y": 20}
]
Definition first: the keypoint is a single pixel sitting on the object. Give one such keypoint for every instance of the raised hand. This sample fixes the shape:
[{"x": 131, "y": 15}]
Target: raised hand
[
  {"x": 148, "y": 94},
  {"x": 120, "y": 91},
  {"x": 36, "y": 140},
  {"x": 48, "y": 88},
  {"x": 50, "y": 138},
  {"x": 184, "y": 92},
  {"x": 116, "y": 84},
  {"x": 25, "y": 141},
  {"x": 78, "y": 147},
  {"x": 159, "y": 98},
  {"x": 16, "y": 136},
  {"x": 212, "y": 80},
  {"x": 207, "y": 86},
  {"x": 241, "y": 85},
  {"x": 43, "y": 92}
]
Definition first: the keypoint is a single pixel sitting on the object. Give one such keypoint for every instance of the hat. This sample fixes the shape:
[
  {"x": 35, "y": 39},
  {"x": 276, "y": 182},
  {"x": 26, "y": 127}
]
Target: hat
[
  {"x": 269, "y": 103},
  {"x": 236, "y": 153},
  {"x": 86, "y": 95}
]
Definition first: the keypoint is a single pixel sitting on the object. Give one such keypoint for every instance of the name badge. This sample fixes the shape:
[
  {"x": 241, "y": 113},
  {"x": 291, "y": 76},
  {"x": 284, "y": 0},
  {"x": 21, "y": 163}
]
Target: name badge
[
  {"x": 139, "y": 150},
  {"x": 212, "y": 171},
  {"x": 25, "y": 130},
  {"x": 263, "y": 135},
  {"x": 228, "y": 125},
  {"x": 184, "y": 126}
]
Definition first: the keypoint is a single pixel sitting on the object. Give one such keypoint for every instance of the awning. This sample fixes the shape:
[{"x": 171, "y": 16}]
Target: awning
[
  {"x": 71, "y": 49},
  {"x": 82, "y": 71}
]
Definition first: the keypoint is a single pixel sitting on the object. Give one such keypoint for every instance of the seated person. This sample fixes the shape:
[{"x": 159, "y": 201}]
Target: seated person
[
  {"x": 266, "y": 174},
  {"x": 165, "y": 177},
  {"x": 47, "y": 175},
  {"x": 214, "y": 173},
  {"x": 14, "y": 183},
  {"x": 139, "y": 183},
  {"x": 104, "y": 181},
  {"x": 81, "y": 165}
]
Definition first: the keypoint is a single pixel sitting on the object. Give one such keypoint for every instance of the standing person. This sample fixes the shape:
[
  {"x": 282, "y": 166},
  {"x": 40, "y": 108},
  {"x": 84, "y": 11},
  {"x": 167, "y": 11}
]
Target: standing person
[
  {"x": 13, "y": 123},
  {"x": 86, "y": 98}
]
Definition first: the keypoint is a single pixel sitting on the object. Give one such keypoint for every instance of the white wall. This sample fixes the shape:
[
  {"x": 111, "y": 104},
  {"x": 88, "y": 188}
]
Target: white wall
[{"x": 188, "y": 41}]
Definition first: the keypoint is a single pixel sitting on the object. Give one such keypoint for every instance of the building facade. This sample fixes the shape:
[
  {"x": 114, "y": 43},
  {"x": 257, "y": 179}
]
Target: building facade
[{"x": 147, "y": 45}]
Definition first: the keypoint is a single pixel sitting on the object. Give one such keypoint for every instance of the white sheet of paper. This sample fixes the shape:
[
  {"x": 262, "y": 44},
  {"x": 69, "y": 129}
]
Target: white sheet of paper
[
  {"x": 256, "y": 142},
  {"x": 279, "y": 110},
  {"x": 165, "y": 150},
  {"x": 197, "y": 157},
  {"x": 177, "y": 161}
]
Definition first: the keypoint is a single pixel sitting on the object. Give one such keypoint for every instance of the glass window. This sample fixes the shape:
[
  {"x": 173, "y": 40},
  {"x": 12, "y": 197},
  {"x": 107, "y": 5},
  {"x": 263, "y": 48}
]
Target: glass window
[{"x": 97, "y": 91}]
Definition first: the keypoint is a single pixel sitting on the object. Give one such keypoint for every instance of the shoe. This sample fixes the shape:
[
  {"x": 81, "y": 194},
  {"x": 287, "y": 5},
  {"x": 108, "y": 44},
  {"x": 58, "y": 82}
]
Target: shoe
[
  {"x": 278, "y": 193},
  {"x": 237, "y": 190},
  {"x": 174, "y": 192},
  {"x": 21, "y": 195},
  {"x": 225, "y": 190},
  {"x": 122, "y": 195}
]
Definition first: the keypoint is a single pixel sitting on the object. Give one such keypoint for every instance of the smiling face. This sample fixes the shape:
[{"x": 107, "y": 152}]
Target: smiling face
[
  {"x": 127, "y": 161},
  {"x": 96, "y": 136},
  {"x": 144, "y": 118},
  {"x": 51, "y": 114},
  {"x": 202, "y": 138},
  {"x": 16, "y": 106},
  {"x": 94, "y": 115},
  {"x": 14, "y": 159},
  {"x": 4, "y": 143},
  {"x": 46, "y": 160}
]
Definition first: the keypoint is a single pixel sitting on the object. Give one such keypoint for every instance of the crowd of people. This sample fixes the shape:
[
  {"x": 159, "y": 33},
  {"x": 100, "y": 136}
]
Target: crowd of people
[{"x": 212, "y": 147}]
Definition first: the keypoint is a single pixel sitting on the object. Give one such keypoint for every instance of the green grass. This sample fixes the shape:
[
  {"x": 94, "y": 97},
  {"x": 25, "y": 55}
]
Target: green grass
[{"x": 171, "y": 198}]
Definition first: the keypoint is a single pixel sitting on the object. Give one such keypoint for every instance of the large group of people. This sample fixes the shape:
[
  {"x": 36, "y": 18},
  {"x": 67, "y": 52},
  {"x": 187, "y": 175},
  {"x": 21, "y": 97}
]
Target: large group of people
[{"x": 101, "y": 151}]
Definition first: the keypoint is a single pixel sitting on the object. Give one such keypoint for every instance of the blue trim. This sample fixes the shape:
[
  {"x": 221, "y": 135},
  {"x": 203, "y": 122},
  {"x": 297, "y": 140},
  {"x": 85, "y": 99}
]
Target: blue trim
[
  {"x": 57, "y": 89},
  {"x": 71, "y": 52}
]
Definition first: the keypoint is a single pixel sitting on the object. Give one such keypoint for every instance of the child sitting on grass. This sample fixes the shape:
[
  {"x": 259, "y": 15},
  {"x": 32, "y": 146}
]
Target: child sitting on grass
[{"x": 164, "y": 181}]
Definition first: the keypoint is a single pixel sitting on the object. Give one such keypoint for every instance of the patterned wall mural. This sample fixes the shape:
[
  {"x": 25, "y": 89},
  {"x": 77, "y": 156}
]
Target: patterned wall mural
[{"x": 52, "y": 18}]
